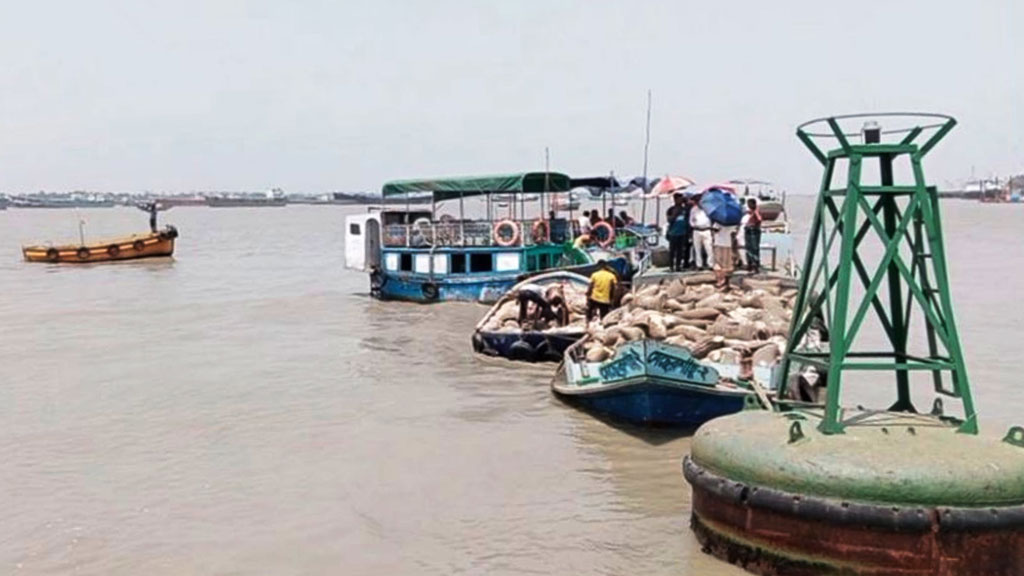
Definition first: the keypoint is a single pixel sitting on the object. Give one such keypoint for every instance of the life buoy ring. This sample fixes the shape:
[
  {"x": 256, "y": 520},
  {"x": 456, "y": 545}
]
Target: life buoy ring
[
  {"x": 53, "y": 255},
  {"x": 541, "y": 224},
  {"x": 512, "y": 239},
  {"x": 430, "y": 291},
  {"x": 83, "y": 253},
  {"x": 608, "y": 238},
  {"x": 113, "y": 250},
  {"x": 138, "y": 245}
]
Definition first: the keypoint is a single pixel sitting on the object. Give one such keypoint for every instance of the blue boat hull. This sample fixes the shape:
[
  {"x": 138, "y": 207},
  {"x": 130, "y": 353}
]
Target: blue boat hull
[
  {"x": 652, "y": 403},
  {"x": 474, "y": 288},
  {"x": 413, "y": 289}
]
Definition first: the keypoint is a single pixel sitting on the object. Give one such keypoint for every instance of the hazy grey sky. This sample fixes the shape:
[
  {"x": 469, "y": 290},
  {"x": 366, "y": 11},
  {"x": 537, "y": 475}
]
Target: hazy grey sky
[{"x": 334, "y": 95}]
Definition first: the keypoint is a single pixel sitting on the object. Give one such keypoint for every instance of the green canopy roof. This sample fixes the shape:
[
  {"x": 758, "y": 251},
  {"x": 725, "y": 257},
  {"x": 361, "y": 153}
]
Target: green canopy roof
[{"x": 449, "y": 188}]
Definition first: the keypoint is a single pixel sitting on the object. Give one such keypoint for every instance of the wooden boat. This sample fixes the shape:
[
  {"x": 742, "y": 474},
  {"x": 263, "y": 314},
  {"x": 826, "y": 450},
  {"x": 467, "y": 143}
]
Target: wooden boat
[
  {"x": 653, "y": 383},
  {"x": 132, "y": 247},
  {"x": 530, "y": 345}
]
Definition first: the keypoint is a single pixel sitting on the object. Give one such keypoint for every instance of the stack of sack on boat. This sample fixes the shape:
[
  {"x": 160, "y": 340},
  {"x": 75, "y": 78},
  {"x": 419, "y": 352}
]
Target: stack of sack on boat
[
  {"x": 505, "y": 317},
  {"x": 748, "y": 320},
  {"x": 539, "y": 339}
]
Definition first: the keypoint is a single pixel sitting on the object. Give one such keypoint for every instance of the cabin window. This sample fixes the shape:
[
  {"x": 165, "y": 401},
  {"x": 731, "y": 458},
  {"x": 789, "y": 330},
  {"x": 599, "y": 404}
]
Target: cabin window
[
  {"x": 507, "y": 261},
  {"x": 353, "y": 229},
  {"x": 440, "y": 264},
  {"x": 531, "y": 262},
  {"x": 391, "y": 261},
  {"x": 406, "y": 262},
  {"x": 458, "y": 263},
  {"x": 481, "y": 262},
  {"x": 545, "y": 261},
  {"x": 422, "y": 264}
]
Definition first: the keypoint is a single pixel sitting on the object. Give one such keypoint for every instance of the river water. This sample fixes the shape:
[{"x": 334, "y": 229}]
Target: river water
[{"x": 247, "y": 409}]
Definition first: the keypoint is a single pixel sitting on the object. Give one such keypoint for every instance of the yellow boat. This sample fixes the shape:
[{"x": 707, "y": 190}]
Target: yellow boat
[{"x": 155, "y": 244}]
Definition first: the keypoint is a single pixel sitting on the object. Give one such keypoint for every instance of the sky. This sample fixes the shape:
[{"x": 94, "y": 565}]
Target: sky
[{"x": 318, "y": 96}]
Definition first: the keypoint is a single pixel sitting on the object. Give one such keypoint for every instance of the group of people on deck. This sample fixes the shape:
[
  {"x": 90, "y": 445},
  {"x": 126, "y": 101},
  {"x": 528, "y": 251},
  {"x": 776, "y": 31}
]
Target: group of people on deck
[
  {"x": 695, "y": 242},
  {"x": 591, "y": 218}
]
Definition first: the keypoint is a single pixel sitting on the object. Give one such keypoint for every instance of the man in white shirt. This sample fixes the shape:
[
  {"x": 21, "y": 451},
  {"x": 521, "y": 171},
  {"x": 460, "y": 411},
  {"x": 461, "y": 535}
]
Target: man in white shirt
[
  {"x": 584, "y": 222},
  {"x": 741, "y": 237},
  {"x": 701, "y": 226}
]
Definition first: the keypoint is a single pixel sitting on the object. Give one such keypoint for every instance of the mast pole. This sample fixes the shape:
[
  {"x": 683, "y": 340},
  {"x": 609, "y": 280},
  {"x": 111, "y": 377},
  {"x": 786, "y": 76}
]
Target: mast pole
[{"x": 647, "y": 144}]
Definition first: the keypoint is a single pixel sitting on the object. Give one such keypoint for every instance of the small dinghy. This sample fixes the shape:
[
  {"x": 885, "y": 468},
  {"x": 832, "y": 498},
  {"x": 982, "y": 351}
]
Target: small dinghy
[
  {"x": 499, "y": 334},
  {"x": 157, "y": 243},
  {"x": 654, "y": 383},
  {"x": 152, "y": 245}
]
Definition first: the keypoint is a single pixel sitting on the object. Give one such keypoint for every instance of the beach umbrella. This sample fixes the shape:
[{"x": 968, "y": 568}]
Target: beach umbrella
[
  {"x": 669, "y": 185},
  {"x": 721, "y": 206}
]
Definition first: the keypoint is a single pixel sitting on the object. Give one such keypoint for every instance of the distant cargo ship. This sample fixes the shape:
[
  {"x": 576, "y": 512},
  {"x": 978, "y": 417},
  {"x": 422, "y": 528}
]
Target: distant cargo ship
[
  {"x": 235, "y": 202},
  {"x": 170, "y": 201},
  {"x": 59, "y": 201},
  {"x": 274, "y": 198}
]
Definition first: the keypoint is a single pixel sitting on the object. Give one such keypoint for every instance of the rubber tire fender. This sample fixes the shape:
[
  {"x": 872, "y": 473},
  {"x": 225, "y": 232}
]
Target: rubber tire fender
[
  {"x": 53, "y": 255},
  {"x": 430, "y": 291},
  {"x": 521, "y": 350},
  {"x": 138, "y": 245},
  {"x": 83, "y": 253},
  {"x": 377, "y": 279},
  {"x": 113, "y": 250}
]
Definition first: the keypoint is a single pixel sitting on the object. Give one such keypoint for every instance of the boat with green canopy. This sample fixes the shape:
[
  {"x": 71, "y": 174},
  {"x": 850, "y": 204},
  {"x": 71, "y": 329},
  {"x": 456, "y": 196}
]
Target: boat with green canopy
[{"x": 440, "y": 254}]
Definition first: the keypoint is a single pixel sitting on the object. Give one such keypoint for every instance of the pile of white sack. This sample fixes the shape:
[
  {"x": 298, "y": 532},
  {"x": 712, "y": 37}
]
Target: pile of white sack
[
  {"x": 750, "y": 319},
  {"x": 505, "y": 317}
]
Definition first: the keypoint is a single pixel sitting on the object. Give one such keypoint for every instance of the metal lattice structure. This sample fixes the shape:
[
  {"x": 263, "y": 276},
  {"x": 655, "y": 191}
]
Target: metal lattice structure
[{"x": 844, "y": 283}]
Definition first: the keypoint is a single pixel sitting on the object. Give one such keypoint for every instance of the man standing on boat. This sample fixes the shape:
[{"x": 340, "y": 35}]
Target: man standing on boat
[
  {"x": 152, "y": 208},
  {"x": 601, "y": 290},
  {"x": 678, "y": 234},
  {"x": 723, "y": 262},
  {"x": 752, "y": 236},
  {"x": 701, "y": 225}
]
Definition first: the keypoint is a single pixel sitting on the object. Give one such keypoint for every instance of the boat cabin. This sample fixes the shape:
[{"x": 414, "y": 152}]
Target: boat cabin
[{"x": 417, "y": 254}]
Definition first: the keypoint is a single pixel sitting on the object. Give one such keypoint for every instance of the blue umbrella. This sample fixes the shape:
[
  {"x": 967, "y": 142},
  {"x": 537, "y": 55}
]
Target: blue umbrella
[{"x": 721, "y": 207}]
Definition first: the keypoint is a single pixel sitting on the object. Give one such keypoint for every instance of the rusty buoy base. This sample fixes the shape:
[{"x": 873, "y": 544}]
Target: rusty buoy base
[{"x": 778, "y": 501}]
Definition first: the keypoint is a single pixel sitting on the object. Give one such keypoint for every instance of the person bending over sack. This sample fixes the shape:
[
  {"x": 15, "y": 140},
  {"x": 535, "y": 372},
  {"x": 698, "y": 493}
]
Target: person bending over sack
[{"x": 546, "y": 306}]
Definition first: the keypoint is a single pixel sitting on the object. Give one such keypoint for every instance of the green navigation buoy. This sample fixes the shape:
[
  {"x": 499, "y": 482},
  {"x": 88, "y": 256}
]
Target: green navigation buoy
[{"x": 813, "y": 488}]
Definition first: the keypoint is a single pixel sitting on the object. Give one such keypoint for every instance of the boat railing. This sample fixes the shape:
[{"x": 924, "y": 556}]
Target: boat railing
[{"x": 451, "y": 233}]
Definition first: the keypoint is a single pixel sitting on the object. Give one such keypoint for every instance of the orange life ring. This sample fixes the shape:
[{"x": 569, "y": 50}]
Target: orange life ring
[
  {"x": 537, "y": 236},
  {"x": 609, "y": 237},
  {"x": 511, "y": 241}
]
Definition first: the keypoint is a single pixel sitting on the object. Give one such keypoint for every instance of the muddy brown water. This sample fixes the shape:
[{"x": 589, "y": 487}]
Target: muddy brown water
[{"x": 247, "y": 409}]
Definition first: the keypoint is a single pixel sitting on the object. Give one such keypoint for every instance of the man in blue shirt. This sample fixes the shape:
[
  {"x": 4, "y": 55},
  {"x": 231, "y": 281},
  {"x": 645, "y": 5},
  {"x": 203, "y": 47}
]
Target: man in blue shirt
[{"x": 678, "y": 234}]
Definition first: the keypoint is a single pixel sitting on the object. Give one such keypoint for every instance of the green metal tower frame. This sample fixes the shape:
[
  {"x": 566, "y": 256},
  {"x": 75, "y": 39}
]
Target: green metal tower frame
[{"x": 905, "y": 218}]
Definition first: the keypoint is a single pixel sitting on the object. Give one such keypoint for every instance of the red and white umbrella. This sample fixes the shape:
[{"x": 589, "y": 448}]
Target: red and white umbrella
[{"x": 669, "y": 185}]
